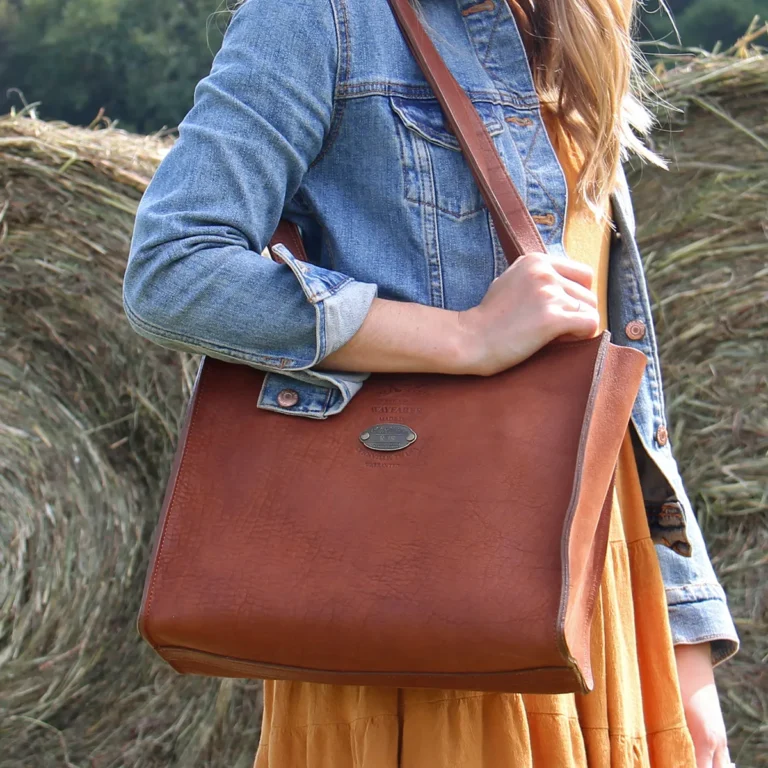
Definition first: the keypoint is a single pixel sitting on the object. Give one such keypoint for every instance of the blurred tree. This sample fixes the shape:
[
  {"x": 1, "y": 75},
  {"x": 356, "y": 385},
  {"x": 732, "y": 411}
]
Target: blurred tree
[
  {"x": 700, "y": 22},
  {"x": 139, "y": 60},
  {"x": 708, "y": 21}
]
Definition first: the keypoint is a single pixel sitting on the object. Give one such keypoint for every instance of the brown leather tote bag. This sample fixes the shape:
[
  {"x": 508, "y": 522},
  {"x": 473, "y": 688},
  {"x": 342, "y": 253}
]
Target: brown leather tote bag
[{"x": 442, "y": 531}]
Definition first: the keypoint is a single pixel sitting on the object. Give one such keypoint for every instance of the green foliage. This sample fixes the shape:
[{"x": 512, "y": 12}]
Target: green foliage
[
  {"x": 707, "y": 21},
  {"x": 701, "y": 23},
  {"x": 139, "y": 60}
]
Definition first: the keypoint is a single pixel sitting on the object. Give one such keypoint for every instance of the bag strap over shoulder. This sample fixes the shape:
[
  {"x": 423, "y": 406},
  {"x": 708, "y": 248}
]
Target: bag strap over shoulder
[{"x": 516, "y": 229}]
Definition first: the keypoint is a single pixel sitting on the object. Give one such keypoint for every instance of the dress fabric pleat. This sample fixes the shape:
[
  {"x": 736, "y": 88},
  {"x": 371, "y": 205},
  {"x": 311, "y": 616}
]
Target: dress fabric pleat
[{"x": 634, "y": 717}]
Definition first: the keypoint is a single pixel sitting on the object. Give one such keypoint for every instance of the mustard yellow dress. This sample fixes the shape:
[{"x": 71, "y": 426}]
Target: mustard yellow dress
[{"x": 633, "y": 718}]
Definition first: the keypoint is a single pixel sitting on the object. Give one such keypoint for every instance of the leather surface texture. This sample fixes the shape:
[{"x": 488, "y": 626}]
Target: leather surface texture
[{"x": 469, "y": 559}]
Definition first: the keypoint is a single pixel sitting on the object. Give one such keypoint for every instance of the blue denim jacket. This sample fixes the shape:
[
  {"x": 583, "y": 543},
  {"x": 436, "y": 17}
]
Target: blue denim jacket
[{"x": 316, "y": 110}]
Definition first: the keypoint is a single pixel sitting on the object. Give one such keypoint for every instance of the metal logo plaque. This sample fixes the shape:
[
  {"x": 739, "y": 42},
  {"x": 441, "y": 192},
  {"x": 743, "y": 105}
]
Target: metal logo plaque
[{"x": 388, "y": 437}]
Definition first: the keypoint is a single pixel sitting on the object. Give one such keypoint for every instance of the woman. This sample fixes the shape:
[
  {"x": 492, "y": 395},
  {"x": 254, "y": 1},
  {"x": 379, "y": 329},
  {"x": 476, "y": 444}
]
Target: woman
[{"x": 317, "y": 111}]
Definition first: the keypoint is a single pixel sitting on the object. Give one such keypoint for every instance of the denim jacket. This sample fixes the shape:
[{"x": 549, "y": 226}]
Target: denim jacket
[{"x": 316, "y": 110}]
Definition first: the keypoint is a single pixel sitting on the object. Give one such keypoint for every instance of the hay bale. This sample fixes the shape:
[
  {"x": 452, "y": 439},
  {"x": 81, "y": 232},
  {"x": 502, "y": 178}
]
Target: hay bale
[
  {"x": 703, "y": 232},
  {"x": 90, "y": 412}
]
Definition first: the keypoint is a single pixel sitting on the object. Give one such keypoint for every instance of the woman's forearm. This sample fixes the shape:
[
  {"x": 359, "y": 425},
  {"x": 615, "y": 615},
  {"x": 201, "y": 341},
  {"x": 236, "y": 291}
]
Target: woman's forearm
[
  {"x": 701, "y": 705},
  {"x": 407, "y": 337},
  {"x": 539, "y": 298}
]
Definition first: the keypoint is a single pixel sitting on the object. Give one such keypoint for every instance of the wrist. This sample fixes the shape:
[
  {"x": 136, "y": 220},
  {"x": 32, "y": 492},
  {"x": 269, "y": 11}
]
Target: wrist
[
  {"x": 694, "y": 653},
  {"x": 468, "y": 343}
]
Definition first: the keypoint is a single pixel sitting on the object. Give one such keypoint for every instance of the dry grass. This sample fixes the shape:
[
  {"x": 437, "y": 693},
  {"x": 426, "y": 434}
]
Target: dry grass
[
  {"x": 89, "y": 416},
  {"x": 90, "y": 413}
]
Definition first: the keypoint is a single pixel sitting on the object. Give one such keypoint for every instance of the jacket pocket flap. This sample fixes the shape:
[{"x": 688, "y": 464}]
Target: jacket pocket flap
[{"x": 425, "y": 117}]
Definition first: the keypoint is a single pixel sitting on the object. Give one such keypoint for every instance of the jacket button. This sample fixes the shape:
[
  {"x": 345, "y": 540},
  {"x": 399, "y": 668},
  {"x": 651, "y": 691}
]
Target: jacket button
[
  {"x": 287, "y": 398},
  {"x": 661, "y": 434},
  {"x": 635, "y": 330}
]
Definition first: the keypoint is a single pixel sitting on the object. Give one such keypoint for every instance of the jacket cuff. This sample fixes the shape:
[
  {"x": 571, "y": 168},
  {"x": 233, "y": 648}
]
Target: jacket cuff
[
  {"x": 699, "y": 613},
  {"x": 341, "y": 305}
]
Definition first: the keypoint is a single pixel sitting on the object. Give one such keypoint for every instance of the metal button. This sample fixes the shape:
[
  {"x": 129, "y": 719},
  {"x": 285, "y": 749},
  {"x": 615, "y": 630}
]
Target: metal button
[
  {"x": 661, "y": 434},
  {"x": 288, "y": 398},
  {"x": 635, "y": 330}
]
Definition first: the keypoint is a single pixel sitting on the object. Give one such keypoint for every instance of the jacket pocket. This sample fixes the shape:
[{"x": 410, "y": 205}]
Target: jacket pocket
[{"x": 435, "y": 172}]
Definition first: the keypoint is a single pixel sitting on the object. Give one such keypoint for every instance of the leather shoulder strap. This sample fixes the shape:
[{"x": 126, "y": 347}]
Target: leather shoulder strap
[{"x": 517, "y": 231}]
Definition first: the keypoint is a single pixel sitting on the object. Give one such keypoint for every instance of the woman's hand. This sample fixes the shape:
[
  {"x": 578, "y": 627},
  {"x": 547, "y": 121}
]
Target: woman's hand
[
  {"x": 537, "y": 299},
  {"x": 701, "y": 705}
]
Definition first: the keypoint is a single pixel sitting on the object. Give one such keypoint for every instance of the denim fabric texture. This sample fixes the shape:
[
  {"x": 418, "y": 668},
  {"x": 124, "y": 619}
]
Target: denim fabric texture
[{"x": 317, "y": 111}]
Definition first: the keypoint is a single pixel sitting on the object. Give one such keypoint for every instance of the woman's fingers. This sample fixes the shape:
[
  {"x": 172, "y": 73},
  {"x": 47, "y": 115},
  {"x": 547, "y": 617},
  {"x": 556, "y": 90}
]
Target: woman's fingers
[
  {"x": 573, "y": 270},
  {"x": 577, "y": 292},
  {"x": 569, "y": 302},
  {"x": 568, "y": 268},
  {"x": 578, "y": 324},
  {"x": 573, "y": 303},
  {"x": 570, "y": 277}
]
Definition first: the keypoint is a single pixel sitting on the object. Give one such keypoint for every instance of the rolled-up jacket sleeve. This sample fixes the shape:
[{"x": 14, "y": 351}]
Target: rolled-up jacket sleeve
[
  {"x": 697, "y": 604},
  {"x": 196, "y": 280}
]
